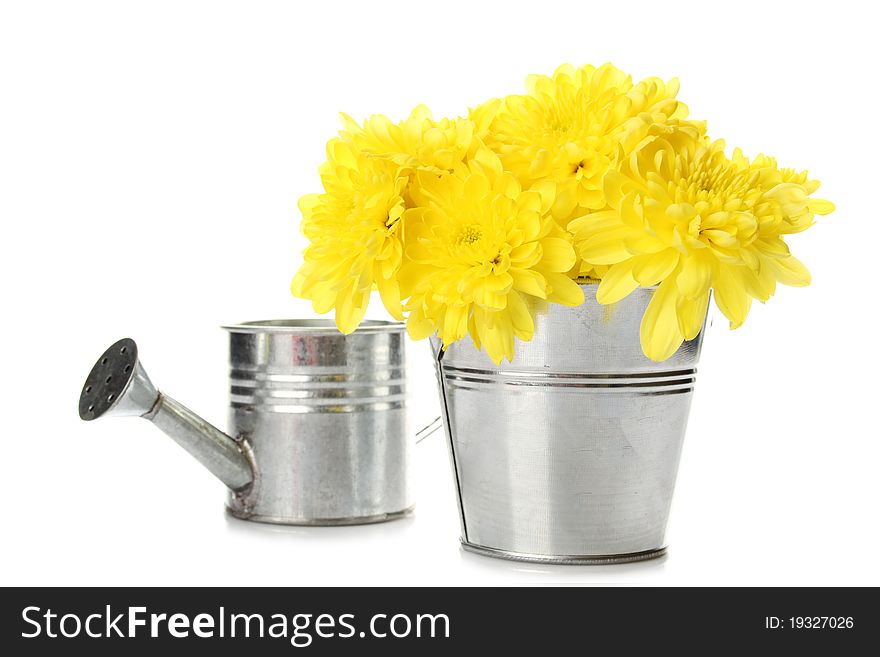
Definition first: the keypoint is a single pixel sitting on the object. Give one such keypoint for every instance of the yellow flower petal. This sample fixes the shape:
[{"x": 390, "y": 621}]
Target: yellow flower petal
[
  {"x": 820, "y": 206},
  {"x": 650, "y": 269},
  {"x": 418, "y": 327},
  {"x": 530, "y": 282},
  {"x": 455, "y": 323},
  {"x": 350, "y": 310},
  {"x": 389, "y": 290},
  {"x": 607, "y": 248},
  {"x": 731, "y": 297},
  {"x": 520, "y": 317},
  {"x": 563, "y": 290},
  {"x": 617, "y": 283},
  {"x": 559, "y": 254},
  {"x": 691, "y": 314},
  {"x": 695, "y": 275},
  {"x": 659, "y": 333},
  {"x": 790, "y": 271}
]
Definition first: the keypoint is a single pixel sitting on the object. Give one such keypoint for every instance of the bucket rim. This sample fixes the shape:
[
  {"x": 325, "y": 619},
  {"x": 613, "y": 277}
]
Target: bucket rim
[
  {"x": 311, "y": 326},
  {"x": 585, "y": 281}
]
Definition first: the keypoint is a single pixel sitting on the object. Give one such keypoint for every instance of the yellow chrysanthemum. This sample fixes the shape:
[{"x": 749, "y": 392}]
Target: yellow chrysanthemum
[
  {"x": 480, "y": 253},
  {"x": 683, "y": 215},
  {"x": 355, "y": 235},
  {"x": 354, "y": 226},
  {"x": 419, "y": 141},
  {"x": 575, "y": 126}
]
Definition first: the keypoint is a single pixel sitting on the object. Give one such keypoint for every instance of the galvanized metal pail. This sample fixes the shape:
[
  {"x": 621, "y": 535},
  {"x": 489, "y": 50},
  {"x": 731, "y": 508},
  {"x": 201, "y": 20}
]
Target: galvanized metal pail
[{"x": 569, "y": 453}]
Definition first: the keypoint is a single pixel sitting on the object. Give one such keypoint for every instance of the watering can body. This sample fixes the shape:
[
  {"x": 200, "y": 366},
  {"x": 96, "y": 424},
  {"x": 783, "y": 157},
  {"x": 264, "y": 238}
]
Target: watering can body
[{"x": 318, "y": 427}]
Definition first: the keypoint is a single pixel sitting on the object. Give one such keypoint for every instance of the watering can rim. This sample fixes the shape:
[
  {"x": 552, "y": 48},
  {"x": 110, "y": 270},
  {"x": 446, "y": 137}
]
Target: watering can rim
[{"x": 310, "y": 326}]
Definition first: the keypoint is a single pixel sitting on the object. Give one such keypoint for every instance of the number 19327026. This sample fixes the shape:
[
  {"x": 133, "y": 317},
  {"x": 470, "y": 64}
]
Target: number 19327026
[{"x": 809, "y": 622}]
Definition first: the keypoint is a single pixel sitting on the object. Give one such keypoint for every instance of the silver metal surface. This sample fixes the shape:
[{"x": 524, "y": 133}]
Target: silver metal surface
[
  {"x": 566, "y": 559},
  {"x": 221, "y": 455},
  {"x": 119, "y": 386},
  {"x": 318, "y": 424},
  {"x": 325, "y": 415},
  {"x": 324, "y": 522},
  {"x": 568, "y": 454}
]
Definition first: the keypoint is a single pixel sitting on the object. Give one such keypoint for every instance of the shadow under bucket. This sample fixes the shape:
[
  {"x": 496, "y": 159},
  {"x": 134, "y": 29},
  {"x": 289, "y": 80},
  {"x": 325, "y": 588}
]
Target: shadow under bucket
[{"x": 569, "y": 453}]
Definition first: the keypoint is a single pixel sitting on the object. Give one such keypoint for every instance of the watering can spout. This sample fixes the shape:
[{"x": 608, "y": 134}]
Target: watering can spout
[{"x": 119, "y": 386}]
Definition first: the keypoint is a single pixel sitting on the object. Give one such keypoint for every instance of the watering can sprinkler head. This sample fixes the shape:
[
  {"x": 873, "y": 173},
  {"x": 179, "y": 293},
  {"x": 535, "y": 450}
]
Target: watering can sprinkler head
[{"x": 118, "y": 386}]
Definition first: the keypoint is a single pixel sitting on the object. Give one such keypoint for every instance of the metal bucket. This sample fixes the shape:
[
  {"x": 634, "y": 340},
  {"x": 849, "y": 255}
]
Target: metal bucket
[
  {"x": 569, "y": 453},
  {"x": 318, "y": 426}
]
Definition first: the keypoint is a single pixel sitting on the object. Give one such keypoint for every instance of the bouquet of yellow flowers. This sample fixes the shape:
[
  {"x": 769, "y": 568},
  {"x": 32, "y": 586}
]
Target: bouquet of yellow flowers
[{"x": 470, "y": 226}]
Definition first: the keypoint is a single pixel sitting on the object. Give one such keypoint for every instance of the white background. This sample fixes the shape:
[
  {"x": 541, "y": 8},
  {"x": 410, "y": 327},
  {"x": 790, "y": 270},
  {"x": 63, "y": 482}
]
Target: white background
[{"x": 151, "y": 156}]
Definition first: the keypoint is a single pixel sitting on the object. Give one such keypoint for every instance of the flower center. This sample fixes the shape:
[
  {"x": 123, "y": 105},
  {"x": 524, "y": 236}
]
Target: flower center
[
  {"x": 581, "y": 168},
  {"x": 469, "y": 235},
  {"x": 393, "y": 215}
]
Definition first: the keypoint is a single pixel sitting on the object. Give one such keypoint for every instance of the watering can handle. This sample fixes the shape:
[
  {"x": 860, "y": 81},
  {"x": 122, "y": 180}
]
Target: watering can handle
[
  {"x": 431, "y": 428},
  {"x": 437, "y": 422}
]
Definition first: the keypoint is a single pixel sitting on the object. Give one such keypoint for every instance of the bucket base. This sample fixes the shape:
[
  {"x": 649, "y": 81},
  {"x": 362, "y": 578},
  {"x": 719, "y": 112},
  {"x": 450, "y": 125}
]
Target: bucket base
[
  {"x": 321, "y": 522},
  {"x": 565, "y": 559}
]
